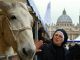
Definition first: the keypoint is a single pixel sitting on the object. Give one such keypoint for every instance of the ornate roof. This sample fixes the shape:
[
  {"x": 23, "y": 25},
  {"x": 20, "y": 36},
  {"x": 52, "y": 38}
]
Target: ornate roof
[{"x": 64, "y": 18}]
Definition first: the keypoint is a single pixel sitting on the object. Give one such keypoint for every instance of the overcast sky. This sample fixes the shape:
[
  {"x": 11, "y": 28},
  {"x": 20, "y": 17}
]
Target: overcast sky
[{"x": 72, "y": 8}]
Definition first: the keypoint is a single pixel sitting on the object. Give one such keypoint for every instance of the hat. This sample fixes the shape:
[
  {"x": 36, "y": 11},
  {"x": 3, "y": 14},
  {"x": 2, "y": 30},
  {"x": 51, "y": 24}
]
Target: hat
[{"x": 64, "y": 33}]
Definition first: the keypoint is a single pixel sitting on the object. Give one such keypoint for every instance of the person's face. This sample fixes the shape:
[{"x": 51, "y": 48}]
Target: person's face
[{"x": 58, "y": 38}]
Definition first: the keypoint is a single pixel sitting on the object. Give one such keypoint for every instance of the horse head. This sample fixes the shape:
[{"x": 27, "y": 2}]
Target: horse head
[{"x": 21, "y": 26}]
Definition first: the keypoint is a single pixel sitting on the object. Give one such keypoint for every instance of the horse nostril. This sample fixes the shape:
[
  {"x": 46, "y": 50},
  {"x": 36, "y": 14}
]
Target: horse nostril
[
  {"x": 28, "y": 53},
  {"x": 24, "y": 51}
]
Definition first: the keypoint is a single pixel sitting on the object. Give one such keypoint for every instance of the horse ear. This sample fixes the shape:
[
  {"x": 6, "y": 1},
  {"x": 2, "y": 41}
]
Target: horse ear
[{"x": 4, "y": 6}]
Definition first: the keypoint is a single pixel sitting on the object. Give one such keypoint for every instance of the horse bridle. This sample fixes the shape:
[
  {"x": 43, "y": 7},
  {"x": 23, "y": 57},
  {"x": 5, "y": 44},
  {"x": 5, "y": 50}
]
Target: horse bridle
[{"x": 19, "y": 30}]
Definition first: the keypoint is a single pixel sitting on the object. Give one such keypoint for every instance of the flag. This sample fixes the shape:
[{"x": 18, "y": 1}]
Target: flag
[
  {"x": 39, "y": 7},
  {"x": 42, "y": 8},
  {"x": 47, "y": 16}
]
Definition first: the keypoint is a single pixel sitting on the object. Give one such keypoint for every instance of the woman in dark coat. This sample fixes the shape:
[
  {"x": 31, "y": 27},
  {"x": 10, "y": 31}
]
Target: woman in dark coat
[{"x": 54, "y": 50}]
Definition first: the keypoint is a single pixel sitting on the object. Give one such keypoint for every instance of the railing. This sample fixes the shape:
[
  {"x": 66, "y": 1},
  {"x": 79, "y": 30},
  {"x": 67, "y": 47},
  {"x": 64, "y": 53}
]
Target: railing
[{"x": 9, "y": 57}]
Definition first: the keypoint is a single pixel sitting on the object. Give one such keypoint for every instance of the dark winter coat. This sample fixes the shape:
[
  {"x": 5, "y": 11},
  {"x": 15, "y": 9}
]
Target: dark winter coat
[
  {"x": 74, "y": 52},
  {"x": 52, "y": 52}
]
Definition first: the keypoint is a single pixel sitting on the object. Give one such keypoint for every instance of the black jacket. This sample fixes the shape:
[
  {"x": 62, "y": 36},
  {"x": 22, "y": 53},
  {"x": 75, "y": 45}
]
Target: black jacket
[
  {"x": 74, "y": 52},
  {"x": 52, "y": 52}
]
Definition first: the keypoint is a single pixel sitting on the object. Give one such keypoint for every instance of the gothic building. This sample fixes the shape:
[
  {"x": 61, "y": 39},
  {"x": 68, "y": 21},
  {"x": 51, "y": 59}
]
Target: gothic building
[{"x": 65, "y": 22}]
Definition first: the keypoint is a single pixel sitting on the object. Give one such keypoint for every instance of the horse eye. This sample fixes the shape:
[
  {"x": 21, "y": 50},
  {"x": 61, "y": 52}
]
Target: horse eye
[{"x": 13, "y": 17}]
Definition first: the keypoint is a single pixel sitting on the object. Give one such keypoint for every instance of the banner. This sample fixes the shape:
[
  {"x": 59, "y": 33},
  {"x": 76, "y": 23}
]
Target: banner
[{"x": 39, "y": 7}]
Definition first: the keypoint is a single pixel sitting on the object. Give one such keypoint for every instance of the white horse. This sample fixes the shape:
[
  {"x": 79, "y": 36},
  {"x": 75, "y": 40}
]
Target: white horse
[{"x": 17, "y": 28}]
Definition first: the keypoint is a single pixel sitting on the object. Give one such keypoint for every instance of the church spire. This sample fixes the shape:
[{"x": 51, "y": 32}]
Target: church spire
[{"x": 64, "y": 12}]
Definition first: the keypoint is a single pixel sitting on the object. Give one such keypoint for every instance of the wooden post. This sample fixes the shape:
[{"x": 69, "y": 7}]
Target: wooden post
[{"x": 36, "y": 33}]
